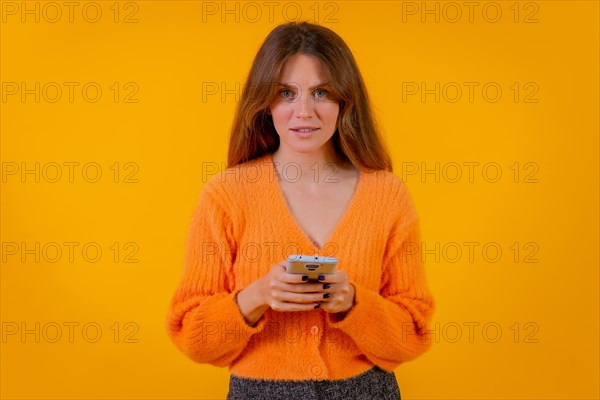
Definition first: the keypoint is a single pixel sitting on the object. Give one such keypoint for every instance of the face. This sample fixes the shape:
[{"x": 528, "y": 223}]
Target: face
[{"x": 304, "y": 111}]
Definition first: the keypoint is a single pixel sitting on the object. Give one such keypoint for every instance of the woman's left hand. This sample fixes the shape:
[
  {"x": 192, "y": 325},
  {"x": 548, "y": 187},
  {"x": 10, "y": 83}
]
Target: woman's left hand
[{"x": 339, "y": 292}]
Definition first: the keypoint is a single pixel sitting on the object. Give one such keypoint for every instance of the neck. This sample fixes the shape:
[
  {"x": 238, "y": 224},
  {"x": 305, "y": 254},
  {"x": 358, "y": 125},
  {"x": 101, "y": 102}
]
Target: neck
[
  {"x": 311, "y": 168},
  {"x": 322, "y": 158}
]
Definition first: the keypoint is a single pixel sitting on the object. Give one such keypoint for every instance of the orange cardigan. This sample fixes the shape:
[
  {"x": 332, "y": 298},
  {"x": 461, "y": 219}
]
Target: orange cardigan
[{"x": 241, "y": 226}]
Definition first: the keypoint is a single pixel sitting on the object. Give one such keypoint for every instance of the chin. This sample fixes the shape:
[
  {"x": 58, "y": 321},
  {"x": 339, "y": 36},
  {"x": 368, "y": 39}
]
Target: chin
[{"x": 305, "y": 147}]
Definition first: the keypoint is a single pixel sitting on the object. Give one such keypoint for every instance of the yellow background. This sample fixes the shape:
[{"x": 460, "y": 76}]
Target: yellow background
[{"x": 172, "y": 55}]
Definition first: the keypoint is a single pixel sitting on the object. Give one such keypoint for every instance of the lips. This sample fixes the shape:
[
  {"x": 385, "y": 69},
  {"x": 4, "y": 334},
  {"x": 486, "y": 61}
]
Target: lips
[
  {"x": 304, "y": 132},
  {"x": 304, "y": 129}
]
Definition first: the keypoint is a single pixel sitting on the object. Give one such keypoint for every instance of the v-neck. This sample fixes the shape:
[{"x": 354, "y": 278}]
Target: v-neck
[{"x": 291, "y": 219}]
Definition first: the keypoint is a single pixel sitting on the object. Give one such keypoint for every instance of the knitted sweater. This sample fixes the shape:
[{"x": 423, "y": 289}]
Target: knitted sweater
[{"x": 242, "y": 226}]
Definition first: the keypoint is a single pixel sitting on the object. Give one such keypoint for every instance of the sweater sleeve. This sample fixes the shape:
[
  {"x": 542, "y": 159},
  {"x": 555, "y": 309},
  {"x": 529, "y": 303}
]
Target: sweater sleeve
[
  {"x": 398, "y": 315},
  {"x": 204, "y": 320}
]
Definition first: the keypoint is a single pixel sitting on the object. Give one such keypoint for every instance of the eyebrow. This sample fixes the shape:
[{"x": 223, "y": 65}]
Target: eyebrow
[{"x": 310, "y": 88}]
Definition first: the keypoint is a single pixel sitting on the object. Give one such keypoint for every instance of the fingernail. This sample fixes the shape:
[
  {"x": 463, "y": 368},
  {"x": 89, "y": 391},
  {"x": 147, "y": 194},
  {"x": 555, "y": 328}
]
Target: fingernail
[
  {"x": 317, "y": 306},
  {"x": 326, "y": 286},
  {"x": 325, "y": 295},
  {"x": 304, "y": 277},
  {"x": 321, "y": 277}
]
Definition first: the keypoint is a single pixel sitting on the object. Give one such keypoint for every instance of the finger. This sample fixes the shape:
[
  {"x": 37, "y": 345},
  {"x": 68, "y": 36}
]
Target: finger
[
  {"x": 287, "y": 306},
  {"x": 293, "y": 278},
  {"x": 335, "y": 277},
  {"x": 333, "y": 304},
  {"x": 296, "y": 287},
  {"x": 277, "y": 269},
  {"x": 302, "y": 287},
  {"x": 282, "y": 264},
  {"x": 302, "y": 298}
]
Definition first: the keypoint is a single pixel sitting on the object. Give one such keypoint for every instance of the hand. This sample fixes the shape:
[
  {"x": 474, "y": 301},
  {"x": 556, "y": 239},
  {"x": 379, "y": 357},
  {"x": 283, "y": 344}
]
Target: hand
[
  {"x": 283, "y": 291},
  {"x": 340, "y": 292}
]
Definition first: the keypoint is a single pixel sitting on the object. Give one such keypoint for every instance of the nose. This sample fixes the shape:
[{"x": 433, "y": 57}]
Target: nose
[{"x": 305, "y": 107}]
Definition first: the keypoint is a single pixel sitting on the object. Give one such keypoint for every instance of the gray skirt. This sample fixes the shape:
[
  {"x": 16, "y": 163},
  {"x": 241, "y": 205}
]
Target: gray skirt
[{"x": 374, "y": 384}]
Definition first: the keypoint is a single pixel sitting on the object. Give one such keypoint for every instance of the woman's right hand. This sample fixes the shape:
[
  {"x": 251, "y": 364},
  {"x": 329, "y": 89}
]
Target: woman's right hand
[
  {"x": 283, "y": 291},
  {"x": 280, "y": 291}
]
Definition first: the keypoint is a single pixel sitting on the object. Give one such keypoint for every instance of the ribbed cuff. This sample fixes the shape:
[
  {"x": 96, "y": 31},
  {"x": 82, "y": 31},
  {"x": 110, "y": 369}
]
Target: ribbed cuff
[
  {"x": 359, "y": 313},
  {"x": 235, "y": 315}
]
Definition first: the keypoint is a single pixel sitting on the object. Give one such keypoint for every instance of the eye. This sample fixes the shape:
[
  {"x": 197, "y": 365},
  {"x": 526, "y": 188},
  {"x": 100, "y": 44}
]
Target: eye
[
  {"x": 322, "y": 95},
  {"x": 322, "y": 92},
  {"x": 286, "y": 94}
]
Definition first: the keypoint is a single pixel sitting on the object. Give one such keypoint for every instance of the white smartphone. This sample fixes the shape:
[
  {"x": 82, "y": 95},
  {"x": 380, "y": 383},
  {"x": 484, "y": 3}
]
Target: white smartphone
[{"x": 313, "y": 266}]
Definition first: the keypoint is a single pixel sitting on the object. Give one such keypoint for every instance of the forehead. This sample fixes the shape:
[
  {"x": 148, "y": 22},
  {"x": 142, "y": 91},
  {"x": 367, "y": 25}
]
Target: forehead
[{"x": 302, "y": 69}]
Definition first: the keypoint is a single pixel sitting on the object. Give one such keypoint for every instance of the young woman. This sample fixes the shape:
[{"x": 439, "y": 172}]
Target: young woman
[{"x": 308, "y": 174}]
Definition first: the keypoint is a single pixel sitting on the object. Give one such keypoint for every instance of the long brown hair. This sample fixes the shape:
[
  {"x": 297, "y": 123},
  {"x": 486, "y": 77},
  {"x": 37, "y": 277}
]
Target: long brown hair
[{"x": 357, "y": 137}]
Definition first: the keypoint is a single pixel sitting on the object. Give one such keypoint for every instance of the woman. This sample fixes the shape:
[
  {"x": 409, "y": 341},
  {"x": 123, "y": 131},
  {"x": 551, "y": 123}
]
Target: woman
[{"x": 307, "y": 174}]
